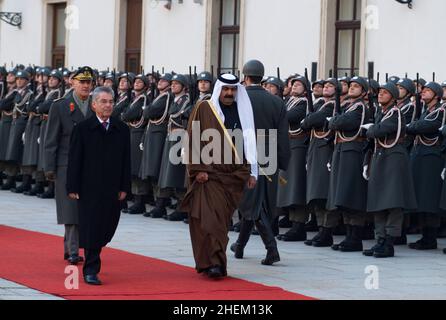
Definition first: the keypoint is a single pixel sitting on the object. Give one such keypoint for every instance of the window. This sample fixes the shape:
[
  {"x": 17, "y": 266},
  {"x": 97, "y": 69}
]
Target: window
[
  {"x": 133, "y": 36},
  {"x": 229, "y": 36},
  {"x": 58, "y": 43},
  {"x": 348, "y": 30}
]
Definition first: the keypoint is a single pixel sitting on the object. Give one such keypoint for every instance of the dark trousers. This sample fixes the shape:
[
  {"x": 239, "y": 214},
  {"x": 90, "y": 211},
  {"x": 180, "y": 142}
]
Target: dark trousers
[{"x": 92, "y": 264}]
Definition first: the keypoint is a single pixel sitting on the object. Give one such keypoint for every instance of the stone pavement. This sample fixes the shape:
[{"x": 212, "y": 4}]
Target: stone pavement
[{"x": 317, "y": 272}]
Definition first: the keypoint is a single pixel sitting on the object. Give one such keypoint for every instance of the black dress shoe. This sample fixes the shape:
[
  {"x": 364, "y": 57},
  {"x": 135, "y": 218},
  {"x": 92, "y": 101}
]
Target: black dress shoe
[
  {"x": 238, "y": 250},
  {"x": 66, "y": 256},
  {"x": 74, "y": 259},
  {"x": 92, "y": 279},
  {"x": 186, "y": 221},
  {"x": 272, "y": 256},
  {"x": 177, "y": 216},
  {"x": 214, "y": 272}
]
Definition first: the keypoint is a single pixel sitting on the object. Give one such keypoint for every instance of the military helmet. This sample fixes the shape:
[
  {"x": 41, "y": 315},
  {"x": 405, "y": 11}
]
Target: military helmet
[
  {"x": 443, "y": 84},
  {"x": 407, "y": 84},
  {"x": 436, "y": 88},
  {"x": 303, "y": 80},
  {"x": 361, "y": 81},
  {"x": 45, "y": 71},
  {"x": 30, "y": 71},
  {"x": 344, "y": 79},
  {"x": 143, "y": 78},
  {"x": 392, "y": 89},
  {"x": 394, "y": 79},
  {"x": 334, "y": 82},
  {"x": 275, "y": 81},
  {"x": 166, "y": 77},
  {"x": 181, "y": 79},
  {"x": 320, "y": 82},
  {"x": 205, "y": 76},
  {"x": 110, "y": 76},
  {"x": 102, "y": 74},
  {"x": 56, "y": 74},
  {"x": 129, "y": 76},
  {"x": 23, "y": 74},
  {"x": 254, "y": 68}
]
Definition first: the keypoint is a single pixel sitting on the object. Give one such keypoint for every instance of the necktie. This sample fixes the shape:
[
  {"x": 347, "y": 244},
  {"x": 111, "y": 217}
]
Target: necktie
[{"x": 105, "y": 125}]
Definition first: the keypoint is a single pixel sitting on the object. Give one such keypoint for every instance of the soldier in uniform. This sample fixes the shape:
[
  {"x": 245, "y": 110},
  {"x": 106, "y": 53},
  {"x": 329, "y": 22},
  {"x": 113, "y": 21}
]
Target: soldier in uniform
[
  {"x": 125, "y": 84},
  {"x": 14, "y": 151},
  {"x": 319, "y": 154},
  {"x": 3, "y": 82},
  {"x": 64, "y": 114},
  {"x": 390, "y": 183},
  {"x": 171, "y": 181},
  {"x": 345, "y": 82},
  {"x": 427, "y": 164},
  {"x": 153, "y": 141},
  {"x": 275, "y": 86},
  {"x": 258, "y": 204},
  {"x": 293, "y": 195},
  {"x": 54, "y": 93},
  {"x": 6, "y": 109},
  {"x": 32, "y": 133},
  {"x": 348, "y": 189},
  {"x": 205, "y": 81},
  {"x": 318, "y": 92},
  {"x": 133, "y": 116}
]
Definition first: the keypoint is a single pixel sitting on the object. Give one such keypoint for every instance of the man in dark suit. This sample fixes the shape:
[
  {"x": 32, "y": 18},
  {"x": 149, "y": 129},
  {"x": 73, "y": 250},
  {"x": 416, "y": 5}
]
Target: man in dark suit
[
  {"x": 64, "y": 115},
  {"x": 98, "y": 178}
]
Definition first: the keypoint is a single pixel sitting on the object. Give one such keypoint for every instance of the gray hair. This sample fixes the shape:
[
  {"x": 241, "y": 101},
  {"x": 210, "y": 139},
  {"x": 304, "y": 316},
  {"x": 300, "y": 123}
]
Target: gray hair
[{"x": 100, "y": 90}]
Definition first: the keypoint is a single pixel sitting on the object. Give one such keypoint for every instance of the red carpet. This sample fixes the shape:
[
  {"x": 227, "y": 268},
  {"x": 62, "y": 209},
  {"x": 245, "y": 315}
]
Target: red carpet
[{"x": 35, "y": 260}]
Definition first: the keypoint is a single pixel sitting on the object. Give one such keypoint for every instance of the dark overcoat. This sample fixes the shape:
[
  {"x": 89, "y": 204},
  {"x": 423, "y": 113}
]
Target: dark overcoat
[{"x": 98, "y": 169}]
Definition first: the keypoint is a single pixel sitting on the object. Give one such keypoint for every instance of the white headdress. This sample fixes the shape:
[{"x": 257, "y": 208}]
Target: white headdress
[{"x": 246, "y": 115}]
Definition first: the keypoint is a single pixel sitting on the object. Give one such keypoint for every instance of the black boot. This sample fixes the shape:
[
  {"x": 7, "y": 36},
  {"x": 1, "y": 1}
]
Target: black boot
[
  {"x": 25, "y": 186},
  {"x": 138, "y": 207},
  {"x": 370, "y": 252},
  {"x": 38, "y": 188},
  {"x": 49, "y": 193},
  {"x": 348, "y": 230},
  {"x": 236, "y": 227},
  {"x": 368, "y": 232},
  {"x": 245, "y": 232},
  {"x": 315, "y": 238},
  {"x": 177, "y": 215},
  {"x": 160, "y": 209},
  {"x": 325, "y": 239},
  {"x": 285, "y": 222},
  {"x": 295, "y": 234},
  {"x": 387, "y": 250},
  {"x": 266, "y": 233},
  {"x": 311, "y": 226},
  {"x": 10, "y": 183},
  {"x": 427, "y": 242},
  {"x": 354, "y": 243},
  {"x": 401, "y": 241}
]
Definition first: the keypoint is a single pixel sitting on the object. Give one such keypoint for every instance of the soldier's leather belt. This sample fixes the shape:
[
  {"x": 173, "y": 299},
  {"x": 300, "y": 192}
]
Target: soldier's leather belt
[
  {"x": 44, "y": 117},
  {"x": 358, "y": 139}
]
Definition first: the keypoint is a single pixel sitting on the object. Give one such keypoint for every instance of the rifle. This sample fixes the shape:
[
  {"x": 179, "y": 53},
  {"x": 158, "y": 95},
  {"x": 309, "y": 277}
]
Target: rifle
[
  {"x": 153, "y": 84},
  {"x": 433, "y": 77},
  {"x": 278, "y": 73},
  {"x": 212, "y": 72},
  {"x": 338, "y": 95},
  {"x": 418, "y": 106},
  {"x": 309, "y": 93},
  {"x": 192, "y": 91}
]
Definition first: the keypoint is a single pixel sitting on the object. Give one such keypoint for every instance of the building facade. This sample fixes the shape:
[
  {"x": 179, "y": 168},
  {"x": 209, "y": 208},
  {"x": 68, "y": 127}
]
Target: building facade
[{"x": 350, "y": 36}]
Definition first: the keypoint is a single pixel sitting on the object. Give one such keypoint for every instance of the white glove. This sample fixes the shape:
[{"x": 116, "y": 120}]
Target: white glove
[
  {"x": 23, "y": 137},
  {"x": 38, "y": 140},
  {"x": 302, "y": 122},
  {"x": 329, "y": 118},
  {"x": 367, "y": 126},
  {"x": 365, "y": 173},
  {"x": 329, "y": 167},
  {"x": 441, "y": 129},
  {"x": 443, "y": 174},
  {"x": 306, "y": 167},
  {"x": 141, "y": 147}
]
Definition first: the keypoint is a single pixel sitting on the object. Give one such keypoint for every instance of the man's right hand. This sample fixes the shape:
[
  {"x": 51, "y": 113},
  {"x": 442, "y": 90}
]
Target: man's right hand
[
  {"x": 202, "y": 177},
  {"x": 50, "y": 176}
]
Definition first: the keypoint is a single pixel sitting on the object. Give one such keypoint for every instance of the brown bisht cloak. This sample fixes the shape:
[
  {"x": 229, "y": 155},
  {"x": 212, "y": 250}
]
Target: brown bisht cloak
[{"x": 211, "y": 205}]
